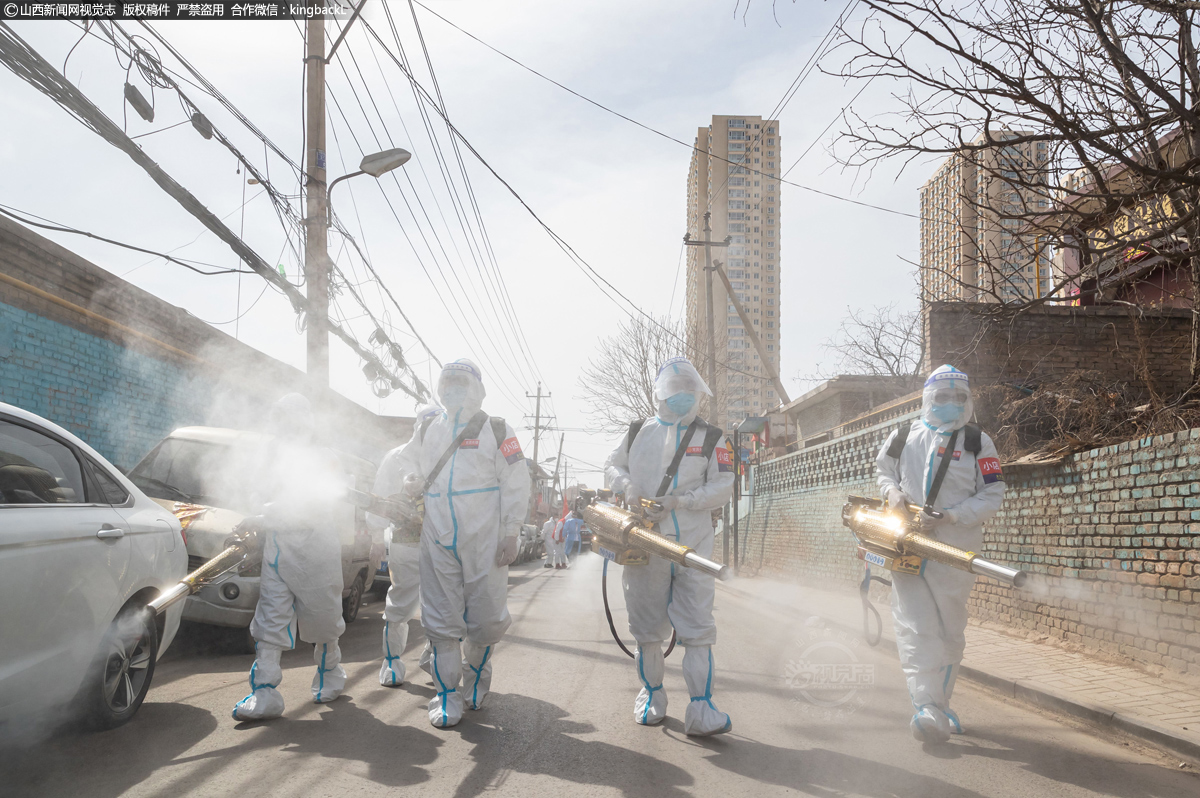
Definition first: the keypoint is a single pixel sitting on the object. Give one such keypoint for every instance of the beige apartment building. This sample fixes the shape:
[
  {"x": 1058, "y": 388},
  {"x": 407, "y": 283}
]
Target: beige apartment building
[
  {"x": 735, "y": 175},
  {"x": 972, "y": 247}
]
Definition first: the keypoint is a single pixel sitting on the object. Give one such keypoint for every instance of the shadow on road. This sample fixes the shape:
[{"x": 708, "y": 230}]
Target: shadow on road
[
  {"x": 105, "y": 764},
  {"x": 1066, "y": 766},
  {"x": 393, "y": 755},
  {"x": 519, "y": 734},
  {"x": 818, "y": 771}
]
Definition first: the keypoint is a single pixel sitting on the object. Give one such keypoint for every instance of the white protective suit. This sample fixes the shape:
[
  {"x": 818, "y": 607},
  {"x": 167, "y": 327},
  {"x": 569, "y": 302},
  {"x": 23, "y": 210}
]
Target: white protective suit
[
  {"x": 404, "y": 570},
  {"x": 559, "y": 537},
  {"x": 301, "y": 583},
  {"x": 660, "y": 595},
  {"x": 548, "y": 541},
  {"x": 473, "y": 515},
  {"x": 930, "y": 608}
]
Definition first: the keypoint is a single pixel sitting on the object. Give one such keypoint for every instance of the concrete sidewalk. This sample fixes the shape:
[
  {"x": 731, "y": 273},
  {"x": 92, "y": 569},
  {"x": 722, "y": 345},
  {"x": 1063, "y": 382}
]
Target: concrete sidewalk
[{"x": 1160, "y": 710}]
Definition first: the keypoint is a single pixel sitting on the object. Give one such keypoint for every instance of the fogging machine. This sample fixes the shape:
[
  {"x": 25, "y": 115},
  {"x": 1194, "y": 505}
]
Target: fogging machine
[
  {"x": 242, "y": 550},
  {"x": 628, "y": 537},
  {"x": 892, "y": 540}
]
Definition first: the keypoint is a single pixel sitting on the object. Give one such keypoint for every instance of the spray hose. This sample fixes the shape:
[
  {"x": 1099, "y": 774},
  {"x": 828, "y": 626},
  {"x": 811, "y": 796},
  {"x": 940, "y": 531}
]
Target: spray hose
[
  {"x": 864, "y": 592},
  {"x": 612, "y": 627}
]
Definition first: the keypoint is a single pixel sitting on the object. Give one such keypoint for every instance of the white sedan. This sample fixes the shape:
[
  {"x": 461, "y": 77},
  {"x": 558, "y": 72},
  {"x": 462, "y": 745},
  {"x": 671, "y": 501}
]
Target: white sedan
[{"x": 82, "y": 550}]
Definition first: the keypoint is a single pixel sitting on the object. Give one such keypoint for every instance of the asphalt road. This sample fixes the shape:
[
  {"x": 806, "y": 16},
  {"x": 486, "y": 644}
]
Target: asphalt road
[{"x": 560, "y": 722}]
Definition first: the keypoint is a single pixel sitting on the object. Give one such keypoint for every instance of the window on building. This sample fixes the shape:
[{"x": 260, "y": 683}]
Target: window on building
[{"x": 770, "y": 347}]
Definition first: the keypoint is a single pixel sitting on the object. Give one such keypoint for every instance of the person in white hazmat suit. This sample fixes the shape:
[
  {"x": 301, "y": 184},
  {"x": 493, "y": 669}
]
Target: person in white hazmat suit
[
  {"x": 477, "y": 497},
  {"x": 930, "y": 608},
  {"x": 301, "y": 583},
  {"x": 404, "y": 595},
  {"x": 548, "y": 541},
  {"x": 661, "y": 595},
  {"x": 559, "y": 536}
]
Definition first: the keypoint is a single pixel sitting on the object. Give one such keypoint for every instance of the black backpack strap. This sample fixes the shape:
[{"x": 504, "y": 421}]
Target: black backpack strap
[
  {"x": 673, "y": 468},
  {"x": 499, "y": 427},
  {"x": 943, "y": 467},
  {"x": 901, "y": 438},
  {"x": 973, "y": 439},
  {"x": 711, "y": 439},
  {"x": 634, "y": 428},
  {"x": 474, "y": 426}
]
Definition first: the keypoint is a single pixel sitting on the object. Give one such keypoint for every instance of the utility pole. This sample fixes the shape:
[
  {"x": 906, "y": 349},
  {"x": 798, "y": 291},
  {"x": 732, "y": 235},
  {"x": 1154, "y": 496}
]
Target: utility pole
[
  {"x": 316, "y": 246},
  {"x": 708, "y": 293},
  {"x": 758, "y": 345},
  {"x": 537, "y": 422}
]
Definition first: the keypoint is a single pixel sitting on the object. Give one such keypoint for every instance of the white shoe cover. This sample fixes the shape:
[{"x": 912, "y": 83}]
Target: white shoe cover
[
  {"x": 955, "y": 724},
  {"x": 702, "y": 718},
  {"x": 330, "y": 678},
  {"x": 930, "y": 725},
  {"x": 265, "y": 701},
  {"x": 446, "y": 708},
  {"x": 395, "y": 638},
  {"x": 477, "y": 670},
  {"x": 650, "y": 707}
]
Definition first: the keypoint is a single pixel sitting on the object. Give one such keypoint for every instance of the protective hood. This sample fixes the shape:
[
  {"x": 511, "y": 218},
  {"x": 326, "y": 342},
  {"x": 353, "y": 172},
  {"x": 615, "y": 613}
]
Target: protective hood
[
  {"x": 292, "y": 418},
  {"x": 678, "y": 376},
  {"x": 460, "y": 387},
  {"x": 941, "y": 408}
]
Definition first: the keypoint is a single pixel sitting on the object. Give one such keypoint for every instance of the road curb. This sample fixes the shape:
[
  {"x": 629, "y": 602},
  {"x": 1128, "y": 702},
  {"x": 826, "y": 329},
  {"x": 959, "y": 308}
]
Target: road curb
[{"x": 1176, "y": 740}]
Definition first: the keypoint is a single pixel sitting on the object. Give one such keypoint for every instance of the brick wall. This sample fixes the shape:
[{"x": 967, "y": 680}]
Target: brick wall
[
  {"x": 1046, "y": 343},
  {"x": 795, "y": 529},
  {"x": 121, "y": 368},
  {"x": 1110, "y": 539}
]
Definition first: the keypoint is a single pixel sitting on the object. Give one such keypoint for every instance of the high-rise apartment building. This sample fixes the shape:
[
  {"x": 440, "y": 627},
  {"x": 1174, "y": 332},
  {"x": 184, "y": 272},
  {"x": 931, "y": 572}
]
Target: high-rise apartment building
[
  {"x": 734, "y": 175},
  {"x": 975, "y": 244}
]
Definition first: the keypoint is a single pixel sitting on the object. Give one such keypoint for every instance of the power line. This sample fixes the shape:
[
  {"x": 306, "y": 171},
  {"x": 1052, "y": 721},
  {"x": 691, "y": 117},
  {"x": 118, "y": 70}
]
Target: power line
[
  {"x": 657, "y": 132},
  {"x": 25, "y": 62},
  {"x": 46, "y": 224},
  {"x": 589, "y": 271},
  {"x": 464, "y": 289}
]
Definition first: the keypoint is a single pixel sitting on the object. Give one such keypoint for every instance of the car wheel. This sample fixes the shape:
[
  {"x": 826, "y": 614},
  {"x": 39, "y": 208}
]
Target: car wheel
[
  {"x": 350, "y": 604},
  {"x": 124, "y": 668}
]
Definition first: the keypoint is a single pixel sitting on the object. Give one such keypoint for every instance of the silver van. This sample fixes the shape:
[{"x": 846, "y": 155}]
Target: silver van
[{"x": 201, "y": 474}]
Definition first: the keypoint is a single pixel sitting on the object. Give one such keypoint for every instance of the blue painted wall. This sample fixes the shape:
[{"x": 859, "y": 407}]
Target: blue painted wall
[{"x": 120, "y": 401}]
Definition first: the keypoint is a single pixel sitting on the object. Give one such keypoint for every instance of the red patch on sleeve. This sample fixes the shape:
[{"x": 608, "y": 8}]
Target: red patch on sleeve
[
  {"x": 511, "y": 449},
  {"x": 724, "y": 459},
  {"x": 989, "y": 467}
]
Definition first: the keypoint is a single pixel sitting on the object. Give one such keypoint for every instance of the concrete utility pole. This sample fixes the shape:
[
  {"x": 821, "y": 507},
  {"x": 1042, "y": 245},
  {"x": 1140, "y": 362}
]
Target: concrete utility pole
[
  {"x": 708, "y": 293},
  {"x": 758, "y": 345},
  {"x": 562, "y": 437},
  {"x": 537, "y": 420},
  {"x": 316, "y": 246}
]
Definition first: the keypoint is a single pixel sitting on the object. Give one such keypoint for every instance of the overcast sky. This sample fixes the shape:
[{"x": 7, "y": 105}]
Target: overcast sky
[{"x": 613, "y": 191}]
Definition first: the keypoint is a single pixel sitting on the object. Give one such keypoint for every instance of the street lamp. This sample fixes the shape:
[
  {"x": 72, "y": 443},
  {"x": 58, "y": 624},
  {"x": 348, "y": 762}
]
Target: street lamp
[{"x": 376, "y": 165}]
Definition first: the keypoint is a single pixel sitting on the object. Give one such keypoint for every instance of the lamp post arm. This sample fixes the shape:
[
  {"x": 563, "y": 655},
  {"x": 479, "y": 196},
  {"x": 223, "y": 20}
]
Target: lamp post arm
[{"x": 329, "y": 196}]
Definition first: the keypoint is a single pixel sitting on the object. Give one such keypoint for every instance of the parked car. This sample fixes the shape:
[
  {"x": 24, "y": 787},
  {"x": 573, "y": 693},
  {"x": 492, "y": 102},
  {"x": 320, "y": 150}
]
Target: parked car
[
  {"x": 82, "y": 551},
  {"x": 529, "y": 543},
  {"x": 207, "y": 476}
]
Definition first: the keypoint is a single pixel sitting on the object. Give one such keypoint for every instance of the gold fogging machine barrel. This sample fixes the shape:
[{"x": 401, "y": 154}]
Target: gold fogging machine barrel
[
  {"x": 242, "y": 551},
  {"x": 885, "y": 538},
  {"x": 621, "y": 533}
]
